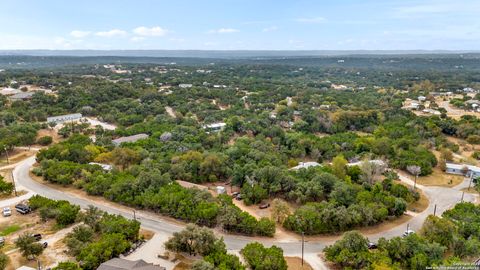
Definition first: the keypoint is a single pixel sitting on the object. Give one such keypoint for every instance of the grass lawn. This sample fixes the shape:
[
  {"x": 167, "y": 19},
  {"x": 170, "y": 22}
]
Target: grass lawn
[{"x": 9, "y": 230}]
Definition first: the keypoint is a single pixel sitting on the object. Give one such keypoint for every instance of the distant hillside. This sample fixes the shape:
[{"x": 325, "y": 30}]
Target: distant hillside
[
  {"x": 440, "y": 62},
  {"x": 225, "y": 53}
]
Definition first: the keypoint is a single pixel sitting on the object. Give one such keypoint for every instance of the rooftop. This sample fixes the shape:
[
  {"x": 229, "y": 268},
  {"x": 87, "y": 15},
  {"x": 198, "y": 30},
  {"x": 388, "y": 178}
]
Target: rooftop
[
  {"x": 305, "y": 165},
  {"x": 122, "y": 264},
  {"x": 132, "y": 138}
]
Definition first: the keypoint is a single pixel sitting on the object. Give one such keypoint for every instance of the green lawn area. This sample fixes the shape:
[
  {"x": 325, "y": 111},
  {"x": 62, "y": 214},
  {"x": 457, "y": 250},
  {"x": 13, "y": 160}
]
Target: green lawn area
[{"x": 10, "y": 229}]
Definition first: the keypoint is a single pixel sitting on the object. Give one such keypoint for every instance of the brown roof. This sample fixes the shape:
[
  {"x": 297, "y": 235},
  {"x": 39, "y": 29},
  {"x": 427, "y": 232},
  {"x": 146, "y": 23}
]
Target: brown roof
[{"x": 122, "y": 264}]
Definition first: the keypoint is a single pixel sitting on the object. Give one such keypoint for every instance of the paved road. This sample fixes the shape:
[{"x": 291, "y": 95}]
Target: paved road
[{"x": 444, "y": 198}]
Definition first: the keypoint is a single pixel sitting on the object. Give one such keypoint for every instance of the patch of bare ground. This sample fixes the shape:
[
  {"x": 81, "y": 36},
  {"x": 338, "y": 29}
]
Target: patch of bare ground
[
  {"x": 32, "y": 223},
  {"x": 15, "y": 156},
  {"x": 146, "y": 234},
  {"x": 184, "y": 263},
  {"x": 465, "y": 151},
  {"x": 170, "y": 111},
  {"x": 420, "y": 205},
  {"x": 440, "y": 178},
  {"x": 49, "y": 132},
  {"x": 295, "y": 263}
]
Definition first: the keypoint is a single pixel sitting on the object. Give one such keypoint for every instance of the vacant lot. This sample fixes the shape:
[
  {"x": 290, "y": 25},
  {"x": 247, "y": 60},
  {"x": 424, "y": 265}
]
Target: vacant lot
[{"x": 440, "y": 178}]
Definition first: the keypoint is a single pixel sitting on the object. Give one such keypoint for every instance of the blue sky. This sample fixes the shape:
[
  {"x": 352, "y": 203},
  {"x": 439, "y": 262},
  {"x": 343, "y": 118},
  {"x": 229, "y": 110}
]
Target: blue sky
[{"x": 240, "y": 25}]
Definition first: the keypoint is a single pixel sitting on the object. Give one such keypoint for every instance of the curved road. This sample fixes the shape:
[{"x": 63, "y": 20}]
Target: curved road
[{"x": 444, "y": 198}]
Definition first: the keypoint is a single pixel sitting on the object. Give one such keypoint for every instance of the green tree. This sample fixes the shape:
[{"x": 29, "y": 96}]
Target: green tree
[
  {"x": 437, "y": 229},
  {"x": 351, "y": 251},
  {"x": 259, "y": 257},
  {"x": 280, "y": 210},
  {"x": 28, "y": 245},
  {"x": 4, "y": 260},
  {"x": 339, "y": 166},
  {"x": 195, "y": 240}
]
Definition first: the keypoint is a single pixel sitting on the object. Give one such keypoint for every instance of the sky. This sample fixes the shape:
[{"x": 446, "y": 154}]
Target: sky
[{"x": 240, "y": 24}]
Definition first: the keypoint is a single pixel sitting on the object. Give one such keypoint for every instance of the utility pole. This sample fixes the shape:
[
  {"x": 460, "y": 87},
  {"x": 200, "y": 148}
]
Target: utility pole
[
  {"x": 14, "y": 186},
  {"x": 463, "y": 194},
  {"x": 415, "y": 183},
  {"x": 134, "y": 215},
  {"x": 6, "y": 153},
  {"x": 471, "y": 180},
  {"x": 303, "y": 245},
  {"x": 434, "y": 210}
]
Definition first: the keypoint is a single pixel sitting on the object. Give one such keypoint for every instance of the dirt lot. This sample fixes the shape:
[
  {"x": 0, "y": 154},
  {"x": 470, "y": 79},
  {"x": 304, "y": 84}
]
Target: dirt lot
[
  {"x": 295, "y": 263},
  {"x": 15, "y": 225},
  {"x": 49, "y": 132}
]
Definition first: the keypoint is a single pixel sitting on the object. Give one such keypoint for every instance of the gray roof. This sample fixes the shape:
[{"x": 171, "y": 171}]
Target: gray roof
[
  {"x": 23, "y": 95},
  {"x": 122, "y": 264},
  {"x": 132, "y": 138}
]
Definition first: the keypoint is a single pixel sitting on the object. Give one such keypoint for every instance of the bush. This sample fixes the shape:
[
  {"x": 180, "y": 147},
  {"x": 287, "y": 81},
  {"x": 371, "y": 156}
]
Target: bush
[{"x": 45, "y": 140}]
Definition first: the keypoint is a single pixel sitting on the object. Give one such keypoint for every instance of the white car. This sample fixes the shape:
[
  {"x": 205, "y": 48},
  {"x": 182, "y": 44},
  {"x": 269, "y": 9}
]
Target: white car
[
  {"x": 408, "y": 232},
  {"x": 6, "y": 212}
]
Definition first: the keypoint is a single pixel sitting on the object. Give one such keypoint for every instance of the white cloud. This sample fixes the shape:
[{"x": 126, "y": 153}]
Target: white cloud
[
  {"x": 270, "y": 29},
  {"x": 311, "y": 20},
  {"x": 79, "y": 34},
  {"x": 111, "y": 33},
  {"x": 137, "y": 39},
  {"x": 155, "y": 31},
  {"x": 223, "y": 31}
]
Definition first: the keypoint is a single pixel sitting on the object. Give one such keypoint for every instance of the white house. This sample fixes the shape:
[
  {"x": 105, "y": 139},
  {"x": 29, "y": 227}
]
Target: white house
[
  {"x": 463, "y": 169},
  {"x": 105, "y": 167},
  {"x": 132, "y": 138},
  {"x": 214, "y": 127},
  {"x": 377, "y": 162},
  {"x": 64, "y": 118},
  {"x": 185, "y": 85},
  {"x": 305, "y": 165}
]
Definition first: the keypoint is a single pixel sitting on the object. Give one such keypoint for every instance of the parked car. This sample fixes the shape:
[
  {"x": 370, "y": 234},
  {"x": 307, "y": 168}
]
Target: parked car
[
  {"x": 235, "y": 194},
  {"x": 37, "y": 236},
  {"x": 45, "y": 244},
  {"x": 372, "y": 245},
  {"x": 408, "y": 232},
  {"x": 2, "y": 240},
  {"x": 22, "y": 208},
  {"x": 6, "y": 212},
  {"x": 239, "y": 197},
  {"x": 264, "y": 206}
]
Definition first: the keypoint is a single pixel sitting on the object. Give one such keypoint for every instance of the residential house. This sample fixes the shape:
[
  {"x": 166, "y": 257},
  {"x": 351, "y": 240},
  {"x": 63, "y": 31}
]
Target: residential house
[
  {"x": 463, "y": 169},
  {"x": 123, "y": 264},
  {"x": 185, "y": 85},
  {"x": 132, "y": 138},
  {"x": 305, "y": 165},
  {"x": 215, "y": 127},
  {"x": 64, "y": 118},
  {"x": 21, "y": 96}
]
